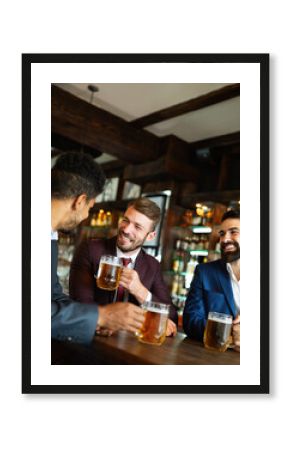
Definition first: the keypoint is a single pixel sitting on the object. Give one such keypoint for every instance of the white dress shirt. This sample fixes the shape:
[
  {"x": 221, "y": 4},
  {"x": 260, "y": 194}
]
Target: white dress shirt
[
  {"x": 235, "y": 286},
  {"x": 54, "y": 235},
  {"x": 131, "y": 265},
  {"x": 133, "y": 257}
]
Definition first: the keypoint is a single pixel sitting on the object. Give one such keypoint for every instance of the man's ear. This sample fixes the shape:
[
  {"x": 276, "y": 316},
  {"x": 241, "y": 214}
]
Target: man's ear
[
  {"x": 151, "y": 236},
  {"x": 79, "y": 201}
]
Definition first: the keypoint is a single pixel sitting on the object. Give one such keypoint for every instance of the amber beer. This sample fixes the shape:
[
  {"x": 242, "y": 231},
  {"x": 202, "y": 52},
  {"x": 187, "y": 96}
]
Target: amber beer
[
  {"x": 109, "y": 272},
  {"x": 153, "y": 330},
  {"x": 217, "y": 331}
]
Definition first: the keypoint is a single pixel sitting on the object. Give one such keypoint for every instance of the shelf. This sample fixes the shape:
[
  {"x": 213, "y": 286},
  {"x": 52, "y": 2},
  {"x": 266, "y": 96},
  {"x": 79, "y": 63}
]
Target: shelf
[
  {"x": 201, "y": 229},
  {"x": 200, "y": 252},
  {"x": 178, "y": 297},
  {"x": 194, "y": 228}
]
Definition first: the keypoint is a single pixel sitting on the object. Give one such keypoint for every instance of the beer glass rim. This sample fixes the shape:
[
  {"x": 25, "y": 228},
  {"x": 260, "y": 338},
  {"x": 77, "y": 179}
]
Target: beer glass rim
[
  {"x": 218, "y": 315},
  {"x": 154, "y": 305},
  {"x": 112, "y": 258}
]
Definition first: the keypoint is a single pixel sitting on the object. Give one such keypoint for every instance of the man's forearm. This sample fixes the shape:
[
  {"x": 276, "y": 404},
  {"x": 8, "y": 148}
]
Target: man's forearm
[{"x": 143, "y": 295}]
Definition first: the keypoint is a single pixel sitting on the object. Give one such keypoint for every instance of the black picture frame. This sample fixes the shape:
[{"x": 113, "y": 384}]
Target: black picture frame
[{"x": 262, "y": 60}]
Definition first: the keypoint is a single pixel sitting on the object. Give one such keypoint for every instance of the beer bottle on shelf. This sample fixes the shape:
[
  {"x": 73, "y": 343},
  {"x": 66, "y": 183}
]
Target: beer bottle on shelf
[
  {"x": 108, "y": 219},
  {"x": 178, "y": 244},
  {"x": 175, "y": 263},
  {"x": 184, "y": 244},
  {"x": 200, "y": 243},
  {"x": 176, "y": 257},
  {"x": 181, "y": 288},
  {"x": 181, "y": 262},
  {"x": 183, "y": 255},
  {"x": 196, "y": 241},
  {"x": 174, "y": 287},
  {"x": 206, "y": 244},
  {"x": 204, "y": 240},
  {"x": 192, "y": 245},
  {"x": 188, "y": 243},
  {"x": 190, "y": 268},
  {"x": 93, "y": 220}
]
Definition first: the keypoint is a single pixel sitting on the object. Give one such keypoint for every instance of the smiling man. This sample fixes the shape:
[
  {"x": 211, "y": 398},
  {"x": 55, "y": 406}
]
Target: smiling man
[
  {"x": 141, "y": 279},
  {"x": 216, "y": 285}
]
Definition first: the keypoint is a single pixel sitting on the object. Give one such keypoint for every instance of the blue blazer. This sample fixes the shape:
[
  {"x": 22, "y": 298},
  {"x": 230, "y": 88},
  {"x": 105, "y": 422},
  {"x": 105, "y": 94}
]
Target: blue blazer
[
  {"x": 210, "y": 290},
  {"x": 70, "y": 321}
]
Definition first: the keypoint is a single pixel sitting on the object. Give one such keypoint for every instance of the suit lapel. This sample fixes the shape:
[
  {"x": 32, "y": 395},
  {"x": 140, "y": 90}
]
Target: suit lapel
[
  {"x": 225, "y": 283},
  {"x": 111, "y": 247},
  {"x": 140, "y": 265}
]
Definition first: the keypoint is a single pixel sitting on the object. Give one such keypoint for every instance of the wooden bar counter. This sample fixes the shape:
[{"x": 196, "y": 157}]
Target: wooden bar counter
[{"x": 124, "y": 348}]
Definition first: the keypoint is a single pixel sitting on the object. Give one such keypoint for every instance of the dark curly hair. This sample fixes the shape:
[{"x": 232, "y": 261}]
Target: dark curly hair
[
  {"x": 231, "y": 214},
  {"x": 76, "y": 173}
]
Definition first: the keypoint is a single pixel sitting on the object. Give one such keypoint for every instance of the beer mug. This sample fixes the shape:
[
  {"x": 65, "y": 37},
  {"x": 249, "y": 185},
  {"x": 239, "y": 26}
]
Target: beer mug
[
  {"x": 109, "y": 272},
  {"x": 217, "y": 332},
  {"x": 153, "y": 330}
]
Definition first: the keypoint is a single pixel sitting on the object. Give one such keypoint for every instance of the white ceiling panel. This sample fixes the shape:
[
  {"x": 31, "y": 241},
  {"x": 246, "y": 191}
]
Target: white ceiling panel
[
  {"x": 216, "y": 120},
  {"x": 131, "y": 101}
]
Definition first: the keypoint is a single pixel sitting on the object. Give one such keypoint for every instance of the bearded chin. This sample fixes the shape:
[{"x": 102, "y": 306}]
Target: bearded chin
[{"x": 230, "y": 256}]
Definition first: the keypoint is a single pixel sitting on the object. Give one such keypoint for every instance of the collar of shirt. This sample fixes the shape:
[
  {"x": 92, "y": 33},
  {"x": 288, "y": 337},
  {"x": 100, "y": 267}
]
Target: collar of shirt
[
  {"x": 54, "y": 235},
  {"x": 133, "y": 257},
  {"x": 231, "y": 272}
]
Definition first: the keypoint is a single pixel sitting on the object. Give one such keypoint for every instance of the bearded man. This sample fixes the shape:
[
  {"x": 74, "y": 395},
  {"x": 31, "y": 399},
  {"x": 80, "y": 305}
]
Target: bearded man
[
  {"x": 141, "y": 278},
  {"x": 216, "y": 285}
]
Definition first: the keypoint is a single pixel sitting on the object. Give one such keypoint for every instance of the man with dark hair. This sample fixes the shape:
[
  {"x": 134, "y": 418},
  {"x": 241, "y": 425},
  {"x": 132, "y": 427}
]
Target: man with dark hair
[
  {"x": 216, "y": 285},
  {"x": 76, "y": 179},
  {"x": 141, "y": 278}
]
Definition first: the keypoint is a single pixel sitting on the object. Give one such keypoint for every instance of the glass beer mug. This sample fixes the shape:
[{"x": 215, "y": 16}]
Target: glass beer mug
[
  {"x": 109, "y": 272},
  {"x": 217, "y": 333},
  {"x": 153, "y": 330}
]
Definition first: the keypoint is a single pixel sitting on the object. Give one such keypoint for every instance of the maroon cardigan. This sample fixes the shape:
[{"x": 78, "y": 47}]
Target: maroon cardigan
[{"x": 85, "y": 263}]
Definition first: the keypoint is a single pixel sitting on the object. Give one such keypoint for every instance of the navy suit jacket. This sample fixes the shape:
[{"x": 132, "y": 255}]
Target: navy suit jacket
[
  {"x": 70, "y": 320},
  {"x": 210, "y": 290},
  {"x": 85, "y": 263}
]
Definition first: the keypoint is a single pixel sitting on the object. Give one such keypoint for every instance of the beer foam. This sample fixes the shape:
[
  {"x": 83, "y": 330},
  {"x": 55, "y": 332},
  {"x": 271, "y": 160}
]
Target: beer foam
[
  {"x": 225, "y": 320},
  {"x": 111, "y": 264},
  {"x": 156, "y": 310}
]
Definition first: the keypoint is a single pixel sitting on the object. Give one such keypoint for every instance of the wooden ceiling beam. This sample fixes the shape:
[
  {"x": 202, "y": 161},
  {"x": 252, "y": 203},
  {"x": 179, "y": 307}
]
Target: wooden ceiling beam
[
  {"x": 211, "y": 98},
  {"x": 114, "y": 168},
  {"x": 89, "y": 125},
  {"x": 113, "y": 165},
  {"x": 61, "y": 144},
  {"x": 174, "y": 165},
  {"x": 218, "y": 141}
]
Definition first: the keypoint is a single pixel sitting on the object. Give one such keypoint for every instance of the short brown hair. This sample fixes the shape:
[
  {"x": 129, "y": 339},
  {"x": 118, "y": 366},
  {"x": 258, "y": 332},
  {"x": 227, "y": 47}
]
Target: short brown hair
[{"x": 147, "y": 207}]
